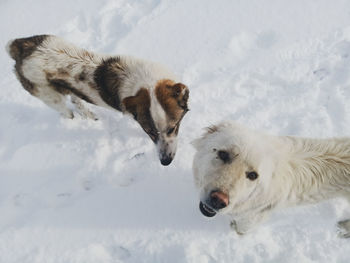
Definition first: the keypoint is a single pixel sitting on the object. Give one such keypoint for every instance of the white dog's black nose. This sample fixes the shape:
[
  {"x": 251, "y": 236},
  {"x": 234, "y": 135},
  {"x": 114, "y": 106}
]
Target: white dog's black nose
[{"x": 218, "y": 200}]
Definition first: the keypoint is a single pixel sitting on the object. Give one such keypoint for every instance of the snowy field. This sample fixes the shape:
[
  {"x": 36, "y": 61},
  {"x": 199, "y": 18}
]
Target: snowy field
[{"x": 91, "y": 192}]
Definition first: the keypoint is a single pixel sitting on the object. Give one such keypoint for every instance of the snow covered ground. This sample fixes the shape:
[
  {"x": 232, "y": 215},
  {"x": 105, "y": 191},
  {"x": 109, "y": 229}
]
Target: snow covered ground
[{"x": 85, "y": 191}]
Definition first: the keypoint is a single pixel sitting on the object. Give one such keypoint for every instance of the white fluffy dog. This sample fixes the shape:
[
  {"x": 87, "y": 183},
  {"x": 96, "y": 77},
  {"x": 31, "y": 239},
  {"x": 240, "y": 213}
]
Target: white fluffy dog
[{"x": 247, "y": 174}]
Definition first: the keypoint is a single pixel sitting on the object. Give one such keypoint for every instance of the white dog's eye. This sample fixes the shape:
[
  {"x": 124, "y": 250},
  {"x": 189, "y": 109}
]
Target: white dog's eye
[
  {"x": 252, "y": 175},
  {"x": 224, "y": 156}
]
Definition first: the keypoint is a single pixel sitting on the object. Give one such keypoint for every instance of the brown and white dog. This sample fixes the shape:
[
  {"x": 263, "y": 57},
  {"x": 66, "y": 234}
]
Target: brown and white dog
[{"x": 50, "y": 68}]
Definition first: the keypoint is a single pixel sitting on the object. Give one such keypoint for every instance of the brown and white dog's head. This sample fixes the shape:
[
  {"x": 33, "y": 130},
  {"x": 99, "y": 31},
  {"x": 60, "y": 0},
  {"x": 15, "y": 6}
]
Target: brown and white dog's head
[{"x": 159, "y": 113}]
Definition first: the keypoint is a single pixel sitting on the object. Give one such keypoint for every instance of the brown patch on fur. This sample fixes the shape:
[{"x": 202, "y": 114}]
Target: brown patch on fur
[
  {"x": 108, "y": 77},
  {"x": 173, "y": 97},
  {"x": 81, "y": 76},
  {"x": 139, "y": 106},
  {"x": 21, "y": 48},
  {"x": 62, "y": 72},
  {"x": 27, "y": 85},
  {"x": 66, "y": 88},
  {"x": 49, "y": 75}
]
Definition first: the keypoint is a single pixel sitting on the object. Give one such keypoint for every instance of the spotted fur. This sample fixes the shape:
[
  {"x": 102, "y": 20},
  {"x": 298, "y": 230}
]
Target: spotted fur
[{"x": 50, "y": 68}]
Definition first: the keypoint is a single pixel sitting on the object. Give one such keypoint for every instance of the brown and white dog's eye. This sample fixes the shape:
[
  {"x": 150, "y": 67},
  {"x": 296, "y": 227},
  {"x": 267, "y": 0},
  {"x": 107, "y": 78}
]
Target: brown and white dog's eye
[
  {"x": 252, "y": 175},
  {"x": 170, "y": 131}
]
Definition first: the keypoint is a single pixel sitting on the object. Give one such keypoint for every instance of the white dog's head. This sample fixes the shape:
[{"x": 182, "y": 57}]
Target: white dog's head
[{"x": 232, "y": 168}]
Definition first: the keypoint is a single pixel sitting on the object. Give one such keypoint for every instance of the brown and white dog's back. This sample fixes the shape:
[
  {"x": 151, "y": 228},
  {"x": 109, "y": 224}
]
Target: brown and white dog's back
[{"x": 50, "y": 68}]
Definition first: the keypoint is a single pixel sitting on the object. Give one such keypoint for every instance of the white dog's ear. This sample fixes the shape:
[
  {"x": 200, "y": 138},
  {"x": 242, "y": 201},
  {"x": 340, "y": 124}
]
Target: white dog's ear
[{"x": 209, "y": 130}]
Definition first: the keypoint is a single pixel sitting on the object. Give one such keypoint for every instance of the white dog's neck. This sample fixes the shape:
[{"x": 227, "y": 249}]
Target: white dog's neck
[{"x": 313, "y": 167}]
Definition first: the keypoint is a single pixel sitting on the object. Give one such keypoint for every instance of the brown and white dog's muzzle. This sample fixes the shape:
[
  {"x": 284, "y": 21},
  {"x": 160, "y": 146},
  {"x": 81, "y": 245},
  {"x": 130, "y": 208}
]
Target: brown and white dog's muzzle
[{"x": 166, "y": 150}]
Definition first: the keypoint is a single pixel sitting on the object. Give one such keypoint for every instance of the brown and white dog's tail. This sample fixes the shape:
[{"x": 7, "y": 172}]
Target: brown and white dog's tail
[{"x": 22, "y": 47}]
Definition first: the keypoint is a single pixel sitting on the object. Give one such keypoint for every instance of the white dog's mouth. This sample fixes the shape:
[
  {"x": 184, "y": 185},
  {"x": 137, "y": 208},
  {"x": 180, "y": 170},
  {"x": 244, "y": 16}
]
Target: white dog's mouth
[{"x": 206, "y": 210}]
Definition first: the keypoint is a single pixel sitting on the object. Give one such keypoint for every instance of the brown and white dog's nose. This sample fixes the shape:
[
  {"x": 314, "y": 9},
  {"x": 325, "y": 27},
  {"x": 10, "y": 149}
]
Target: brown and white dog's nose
[
  {"x": 166, "y": 150},
  {"x": 218, "y": 200},
  {"x": 166, "y": 160}
]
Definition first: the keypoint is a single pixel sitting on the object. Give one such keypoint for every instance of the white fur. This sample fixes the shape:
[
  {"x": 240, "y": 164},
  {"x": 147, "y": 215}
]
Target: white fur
[
  {"x": 291, "y": 171},
  {"x": 142, "y": 73}
]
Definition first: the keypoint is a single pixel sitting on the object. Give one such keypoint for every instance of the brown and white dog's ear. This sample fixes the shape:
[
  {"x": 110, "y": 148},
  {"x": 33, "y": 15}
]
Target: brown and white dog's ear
[
  {"x": 139, "y": 107},
  {"x": 173, "y": 97},
  {"x": 181, "y": 93},
  {"x": 132, "y": 104}
]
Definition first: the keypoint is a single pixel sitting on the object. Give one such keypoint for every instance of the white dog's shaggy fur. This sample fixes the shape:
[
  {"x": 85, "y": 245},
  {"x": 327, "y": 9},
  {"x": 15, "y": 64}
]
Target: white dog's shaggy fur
[{"x": 290, "y": 171}]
